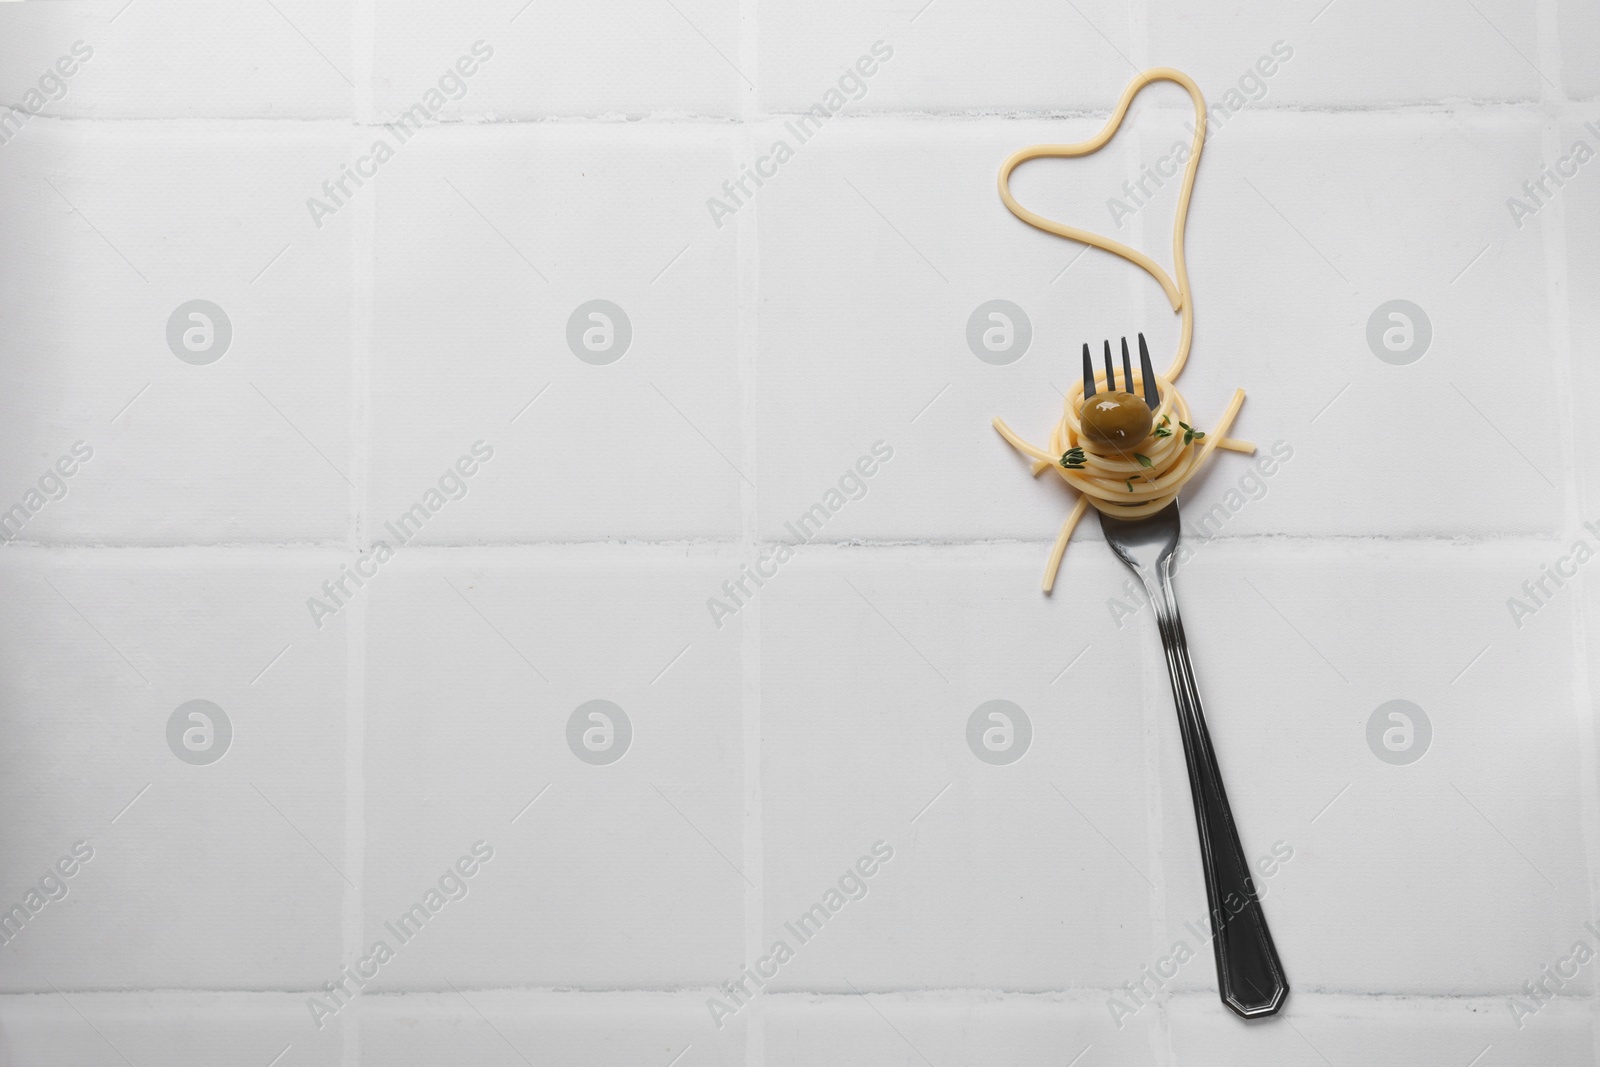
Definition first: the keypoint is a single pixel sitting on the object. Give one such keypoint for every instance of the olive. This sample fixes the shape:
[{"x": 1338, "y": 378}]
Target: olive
[{"x": 1115, "y": 420}]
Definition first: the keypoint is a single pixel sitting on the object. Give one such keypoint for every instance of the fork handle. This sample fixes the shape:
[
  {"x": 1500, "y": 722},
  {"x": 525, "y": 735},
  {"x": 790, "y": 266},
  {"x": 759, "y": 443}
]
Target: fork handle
[{"x": 1249, "y": 974}]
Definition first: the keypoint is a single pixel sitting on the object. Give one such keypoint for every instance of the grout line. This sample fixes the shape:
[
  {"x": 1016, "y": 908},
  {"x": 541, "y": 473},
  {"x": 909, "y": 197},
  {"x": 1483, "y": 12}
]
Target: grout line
[
  {"x": 1159, "y": 722},
  {"x": 1089, "y": 995},
  {"x": 363, "y": 34},
  {"x": 748, "y": 259},
  {"x": 1456, "y": 106},
  {"x": 711, "y": 546}
]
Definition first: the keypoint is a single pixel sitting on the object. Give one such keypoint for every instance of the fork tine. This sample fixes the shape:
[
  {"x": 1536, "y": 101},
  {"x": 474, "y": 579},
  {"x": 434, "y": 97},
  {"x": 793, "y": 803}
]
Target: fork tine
[
  {"x": 1127, "y": 368},
  {"x": 1111, "y": 372},
  {"x": 1152, "y": 395},
  {"x": 1088, "y": 372}
]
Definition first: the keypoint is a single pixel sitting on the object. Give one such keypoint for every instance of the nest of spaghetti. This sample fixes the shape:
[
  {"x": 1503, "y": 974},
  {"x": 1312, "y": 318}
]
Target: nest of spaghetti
[{"x": 1128, "y": 482}]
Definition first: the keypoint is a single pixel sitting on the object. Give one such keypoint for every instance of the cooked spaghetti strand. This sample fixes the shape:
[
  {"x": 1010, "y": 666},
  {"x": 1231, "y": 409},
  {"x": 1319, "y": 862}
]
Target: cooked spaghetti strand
[{"x": 1140, "y": 482}]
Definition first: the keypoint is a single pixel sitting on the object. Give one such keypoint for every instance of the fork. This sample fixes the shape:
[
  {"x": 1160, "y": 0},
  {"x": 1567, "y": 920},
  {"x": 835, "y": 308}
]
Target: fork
[{"x": 1250, "y": 977}]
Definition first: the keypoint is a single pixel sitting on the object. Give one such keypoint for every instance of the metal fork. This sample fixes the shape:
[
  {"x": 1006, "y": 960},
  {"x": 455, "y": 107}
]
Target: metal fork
[{"x": 1249, "y": 974}]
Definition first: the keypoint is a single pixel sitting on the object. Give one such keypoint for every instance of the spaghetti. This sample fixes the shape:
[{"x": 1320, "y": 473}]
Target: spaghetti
[{"x": 1134, "y": 483}]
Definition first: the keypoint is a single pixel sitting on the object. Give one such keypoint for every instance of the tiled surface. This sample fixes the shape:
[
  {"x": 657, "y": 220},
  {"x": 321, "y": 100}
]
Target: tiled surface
[
  {"x": 493, "y": 1026},
  {"x": 650, "y": 843},
  {"x": 142, "y": 219},
  {"x": 1490, "y": 811},
  {"x": 415, "y": 518},
  {"x": 115, "y": 644},
  {"x": 806, "y": 49},
  {"x": 617, "y": 60},
  {"x": 1409, "y": 54},
  {"x": 868, "y": 683},
  {"x": 288, "y": 59},
  {"x": 1281, "y": 280},
  {"x": 651, "y": 441}
]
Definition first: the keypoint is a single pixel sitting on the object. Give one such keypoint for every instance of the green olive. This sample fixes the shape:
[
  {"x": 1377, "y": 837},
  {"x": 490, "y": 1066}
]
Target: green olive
[{"x": 1115, "y": 420}]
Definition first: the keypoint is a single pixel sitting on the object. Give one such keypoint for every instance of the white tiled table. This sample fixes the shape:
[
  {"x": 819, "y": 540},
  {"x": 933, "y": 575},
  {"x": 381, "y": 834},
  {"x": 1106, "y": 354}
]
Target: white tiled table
[{"x": 375, "y": 741}]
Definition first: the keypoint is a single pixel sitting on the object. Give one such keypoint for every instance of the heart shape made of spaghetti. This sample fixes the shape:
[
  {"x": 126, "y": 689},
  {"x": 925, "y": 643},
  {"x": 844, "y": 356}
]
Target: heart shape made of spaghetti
[{"x": 1177, "y": 291}]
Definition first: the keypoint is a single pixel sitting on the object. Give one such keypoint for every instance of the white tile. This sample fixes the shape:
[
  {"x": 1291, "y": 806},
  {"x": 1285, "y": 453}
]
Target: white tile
[
  {"x": 245, "y": 851},
  {"x": 169, "y": 59},
  {"x": 1296, "y": 650},
  {"x": 1577, "y": 21},
  {"x": 1348, "y": 1029},
  {"x": 482, "y": 259},
  {"x": 630, "y": 60},
  {"x": 621, "y": 874},
  {"x": 1570, "y": 214},
  {"x": 488, "y": 1026},
  {"x": 898, "y": 1028},
  {"x": 142, "y": 220},
  {"x": 1285, "y": 287},
  {"x": 174, "y": 1028},
  {"x": 1350, "y": 52},
  {"x": 1574, "y": 214},
  {"x": 872, "y": 667},
  {"x": 879, "y": 241},
  {"x": 1283, "y": 290},
  {"x": 943, "y": 57}
]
